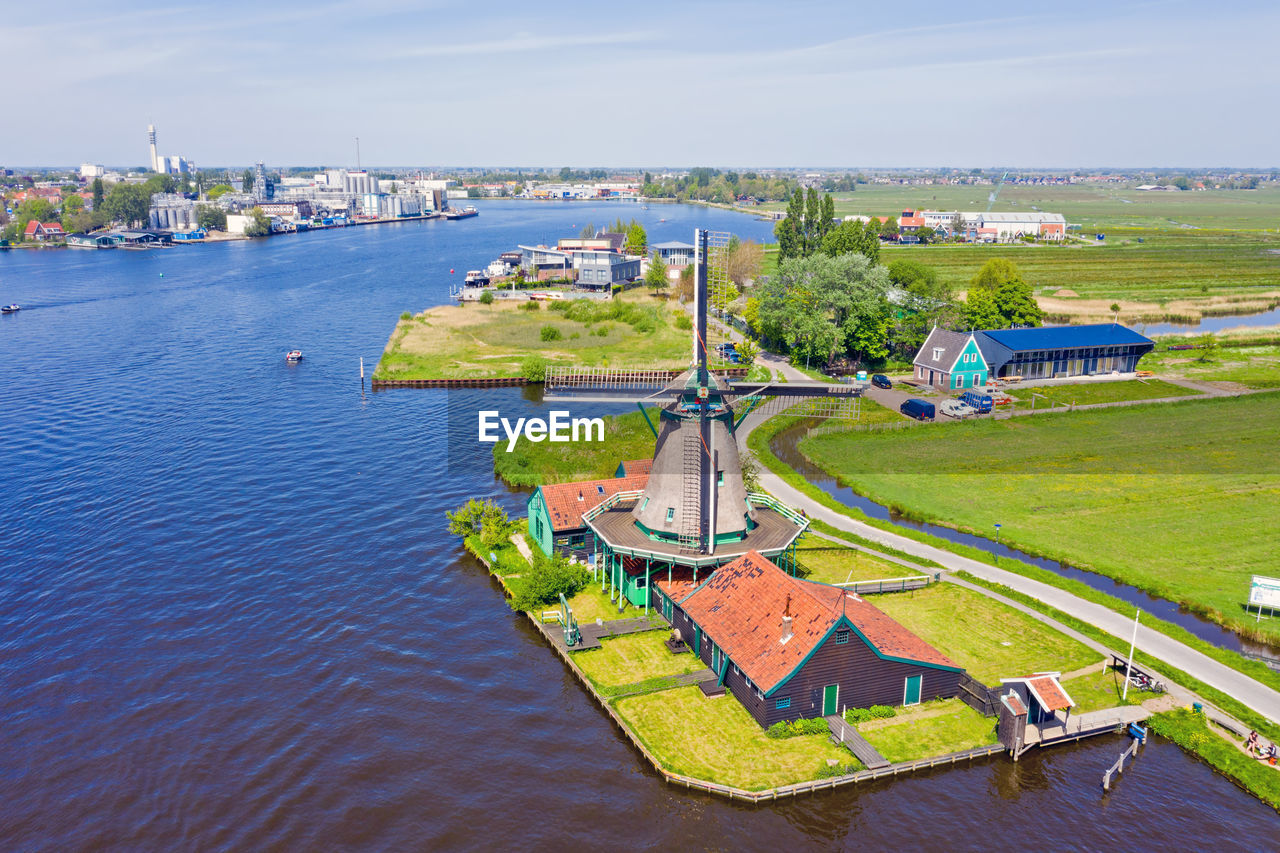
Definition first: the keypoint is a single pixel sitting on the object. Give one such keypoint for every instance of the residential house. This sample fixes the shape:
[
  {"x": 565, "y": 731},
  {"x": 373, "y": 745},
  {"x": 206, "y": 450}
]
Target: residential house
[
  {"x": 789, "y": 648},
  {"x": 43, "y": 232},
  {"x": 951, "y": 361},
  {"x": 555, "y": 511}
]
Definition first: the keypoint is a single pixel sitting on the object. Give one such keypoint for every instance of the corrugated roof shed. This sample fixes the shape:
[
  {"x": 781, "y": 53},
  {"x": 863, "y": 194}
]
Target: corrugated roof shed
[{"x": 1065, "y": 337}]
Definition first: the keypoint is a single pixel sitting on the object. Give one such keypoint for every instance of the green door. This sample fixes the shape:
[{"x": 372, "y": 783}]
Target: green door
[
  {"x": 830, "y": 694},
  {"x": 912, "y": 694}
]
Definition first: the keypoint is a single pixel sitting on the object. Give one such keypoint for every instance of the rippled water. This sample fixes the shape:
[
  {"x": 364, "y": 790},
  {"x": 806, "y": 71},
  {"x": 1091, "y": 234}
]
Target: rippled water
[{"x": 230, "y": 616}]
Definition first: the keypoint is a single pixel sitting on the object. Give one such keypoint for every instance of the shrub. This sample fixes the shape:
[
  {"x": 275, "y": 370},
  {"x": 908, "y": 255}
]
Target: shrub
[
  {"x": 534, "y": 368},
  {"x": 574, "y": 336},
  {"x": 407, "y": 315},
  {"x": 794, "y": 728},
  {"x": 546, "y": 579},
  {"x": 486, "y": 298},
  {"x": 531, "y": 306},
  {"x": 550, "y": 333},
  {"x": 684, "y": 322},
  {"x": 485, "y": 518},
  {"x": 603, "y": 331},
  {"x": 875, "y": 712}
]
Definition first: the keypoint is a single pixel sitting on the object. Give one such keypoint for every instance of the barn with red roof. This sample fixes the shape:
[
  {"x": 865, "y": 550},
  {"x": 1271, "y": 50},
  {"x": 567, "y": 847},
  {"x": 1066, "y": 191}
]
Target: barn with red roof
[
  {"x": 789, "y": 648},
  {"x": 555, "y": 511}
]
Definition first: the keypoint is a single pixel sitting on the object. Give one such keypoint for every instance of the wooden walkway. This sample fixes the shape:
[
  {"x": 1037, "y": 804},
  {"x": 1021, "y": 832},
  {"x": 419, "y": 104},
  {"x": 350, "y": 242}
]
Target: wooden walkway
[
  {"x": 856, "y": 743},
  {"x": 1079, "y": 726},
  {"x": 592, "y": 634}
]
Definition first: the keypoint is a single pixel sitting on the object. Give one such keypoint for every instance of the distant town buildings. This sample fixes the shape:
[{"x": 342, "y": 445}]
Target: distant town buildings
[
  {"x": 985, "y": 227},
  {"x": 172, "y": 212},
  {"x": 172, "y": 165}
]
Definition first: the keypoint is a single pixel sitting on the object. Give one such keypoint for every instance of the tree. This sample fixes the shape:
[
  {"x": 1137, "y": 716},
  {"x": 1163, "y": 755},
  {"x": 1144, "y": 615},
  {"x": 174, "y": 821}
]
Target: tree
[
  {"x": 744, "y": 260},
  {"x": 98, "y": 193},
  {"x": 159, "y": 184},
  {"x": 925, "y": 234},
  {"x": 1207, "y": 344},
  {"x": 588, "y": 231},
  {"x": 820, "y": 306},
  {"x": 747, "y": 352},
  {"x": 37, "y": 209},
  {"x": 246, "y": 181},
  {"x": 1011, "y": 296},
  {"x": 685, "y": 289},
  {"x": 637, "y": 240},
  {"x": 127, "y": 203},
  {"x": 790, "y": 240},
  {"x": 260, "y": 225},
  {"x": 980, "y": 311},
  {"x": 217, "y": 191},
  {"x": 211, "y": 218},
  {"x": 547, "y": 579},
  {"x": 483, "y": 518},
  {"x": 656, "y": 277},
  {"x": 812, "y": 216},
  {"x": 828, "y": 220}
]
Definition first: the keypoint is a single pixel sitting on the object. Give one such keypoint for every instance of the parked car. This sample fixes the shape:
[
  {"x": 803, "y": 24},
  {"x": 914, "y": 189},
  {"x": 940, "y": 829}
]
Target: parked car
[
  {"x": 921, "y": 410},
  {"x": 881, "y": 381},
  {"x": 957, "y": 409},
  {"x": 979, "y": 402}
]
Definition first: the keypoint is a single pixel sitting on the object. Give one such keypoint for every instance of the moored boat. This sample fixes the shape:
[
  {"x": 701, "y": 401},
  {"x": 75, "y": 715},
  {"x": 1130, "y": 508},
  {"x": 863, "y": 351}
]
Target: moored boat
[{"x": 294, "y": 355}]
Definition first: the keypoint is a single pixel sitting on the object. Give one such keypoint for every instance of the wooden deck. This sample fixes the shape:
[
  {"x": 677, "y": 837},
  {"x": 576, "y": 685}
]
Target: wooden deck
[
  {"x": 1079, "y": 726},
  {"x": 856, "y": 743}
]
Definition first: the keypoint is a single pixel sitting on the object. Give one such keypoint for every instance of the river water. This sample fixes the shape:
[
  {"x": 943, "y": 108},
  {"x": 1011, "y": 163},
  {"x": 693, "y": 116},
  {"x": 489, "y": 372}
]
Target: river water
[{"x": 230, "y": 616}]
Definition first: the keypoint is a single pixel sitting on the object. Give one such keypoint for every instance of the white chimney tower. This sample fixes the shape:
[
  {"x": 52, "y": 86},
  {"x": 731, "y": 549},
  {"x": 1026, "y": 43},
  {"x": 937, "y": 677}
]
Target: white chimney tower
[{"x": 151, "y": 138}]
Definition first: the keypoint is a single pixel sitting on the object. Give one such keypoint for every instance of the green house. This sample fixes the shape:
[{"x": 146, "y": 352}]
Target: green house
[
  {"x": 951, "y": 361},
  {"x": 555, "y": 511}
]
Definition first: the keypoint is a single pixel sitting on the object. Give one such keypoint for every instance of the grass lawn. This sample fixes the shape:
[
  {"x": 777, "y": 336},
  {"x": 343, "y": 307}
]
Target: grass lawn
[
  {"x": 717, "y": 740},
  {"x": 973, "y": 630},
  {"x": 929, "y": 729},
  {"x": 1173, "y": 498},
  {"x": 1251, "y": 366},
  {"x": 1086, "y": 393},
  {"x": 632, "y": 658},
  {"x": 825, "y": 561},
  {"x": 1190, "y": 731},
  {"x": 473, "y": 340},
  {"x": 1098, "y": 690},
  {"x": 591, "y": 604},
  {"x": 626, "y": 437}
]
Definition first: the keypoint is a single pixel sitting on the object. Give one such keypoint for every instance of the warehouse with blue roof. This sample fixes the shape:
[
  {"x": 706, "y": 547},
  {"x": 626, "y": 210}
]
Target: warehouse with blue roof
[{"x": 1054, "y": 352}]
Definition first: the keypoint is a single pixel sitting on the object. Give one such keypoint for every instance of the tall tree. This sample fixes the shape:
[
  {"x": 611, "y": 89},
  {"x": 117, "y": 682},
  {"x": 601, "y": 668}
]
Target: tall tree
[
  {"x": 790, "y": 240},
  {"x": 656, "y": 276},
  {"x": 246, "y": 181},
  {"x": 828, "y": 220},
  {"x": 637, "y": 240},
  {"x": 980, "y": 311},
  {"x": 1010, "y": 294},
  {"x": 812, "y": 216},
  {"x": 127, "y": 203},
  {"x": 744, "y": 261},
  {"x": 98, "y": 193}
]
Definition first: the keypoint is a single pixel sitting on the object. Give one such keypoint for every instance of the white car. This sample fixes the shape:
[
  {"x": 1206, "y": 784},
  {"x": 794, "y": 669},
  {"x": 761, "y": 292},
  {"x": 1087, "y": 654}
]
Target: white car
[{"x": 956, "y": 409}]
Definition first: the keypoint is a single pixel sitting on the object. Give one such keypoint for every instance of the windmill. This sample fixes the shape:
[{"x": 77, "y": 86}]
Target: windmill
[{"x": 695, "y": 511}]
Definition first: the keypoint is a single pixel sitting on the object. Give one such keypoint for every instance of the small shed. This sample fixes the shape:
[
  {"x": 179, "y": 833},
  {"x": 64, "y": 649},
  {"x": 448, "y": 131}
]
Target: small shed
[{"x": 1042, "y": 694}]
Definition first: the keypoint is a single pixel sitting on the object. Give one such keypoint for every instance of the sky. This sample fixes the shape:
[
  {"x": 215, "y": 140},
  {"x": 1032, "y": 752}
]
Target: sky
[{"x": 729, "y": 84}]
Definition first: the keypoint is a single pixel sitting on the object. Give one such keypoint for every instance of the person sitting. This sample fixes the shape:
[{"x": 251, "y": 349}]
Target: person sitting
[{"x": 1251, "y": 744}]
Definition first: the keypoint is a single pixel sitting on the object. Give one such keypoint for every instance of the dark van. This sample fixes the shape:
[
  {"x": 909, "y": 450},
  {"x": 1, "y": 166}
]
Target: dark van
[
  {"x": 921, "y": 410},
  {"x": 980, "y": 402}
]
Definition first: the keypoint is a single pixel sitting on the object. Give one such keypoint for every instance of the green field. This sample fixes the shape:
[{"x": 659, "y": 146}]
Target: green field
[
  {"x": 827, "y": 562},
  {"x": 1089, "y": 393},
  {"x": 532, "y": 464},
  {"x": 1249, "y": 367},
  {"x": 1174, "y": 498},
  {"x": 989, "y": 639},
  {"x": 474, "y": 341},
  {"x": 633, "y": 658},
  {"x": 1094, "y": 208},
  {"x": 929, "y": 729},
  {"x": 717, "y": 740}
]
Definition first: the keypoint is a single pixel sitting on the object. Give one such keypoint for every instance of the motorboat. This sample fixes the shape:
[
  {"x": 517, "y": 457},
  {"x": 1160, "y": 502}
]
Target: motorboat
[
  {"x": 10, "y": 309},
  {"x": 294, "y": 355}
]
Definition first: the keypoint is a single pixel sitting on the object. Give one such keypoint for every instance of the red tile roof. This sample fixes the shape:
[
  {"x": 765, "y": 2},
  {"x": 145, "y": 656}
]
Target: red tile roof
[
  {"x": 566, "y": 502},
  {"x": 1050, "y": 693},
  {"x": 677, "y": 588},
  {"x": 636, "y": 467},
  {"x": 741, "y": 610}
]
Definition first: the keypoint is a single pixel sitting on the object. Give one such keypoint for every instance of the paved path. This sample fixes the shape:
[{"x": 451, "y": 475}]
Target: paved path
[{"x": 1257, "y": 696}]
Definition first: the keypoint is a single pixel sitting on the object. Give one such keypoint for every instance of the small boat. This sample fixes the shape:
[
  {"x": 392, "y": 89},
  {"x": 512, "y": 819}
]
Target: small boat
[
  {"x": 476, "y": 278},
  {"x": 294, "y": 355},
  {"x": 10, "y": 309}
]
